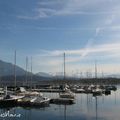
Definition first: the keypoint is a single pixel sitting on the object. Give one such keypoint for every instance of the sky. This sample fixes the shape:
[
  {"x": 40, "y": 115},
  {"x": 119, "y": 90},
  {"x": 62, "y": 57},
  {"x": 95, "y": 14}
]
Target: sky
[{"x": 86, "y": 30}]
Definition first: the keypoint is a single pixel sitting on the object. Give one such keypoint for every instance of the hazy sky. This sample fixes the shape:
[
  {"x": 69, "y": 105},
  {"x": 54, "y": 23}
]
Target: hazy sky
[{"x": 86, "y": 30}]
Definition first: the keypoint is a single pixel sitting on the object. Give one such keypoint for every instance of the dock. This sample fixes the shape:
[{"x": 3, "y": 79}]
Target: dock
[
  {"x": 62, "y": 101},
  {"x": 48, "y": 90}
]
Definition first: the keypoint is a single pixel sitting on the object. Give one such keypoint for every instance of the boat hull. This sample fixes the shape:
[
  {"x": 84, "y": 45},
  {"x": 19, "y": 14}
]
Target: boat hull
[{"x": 62, "y": 101}]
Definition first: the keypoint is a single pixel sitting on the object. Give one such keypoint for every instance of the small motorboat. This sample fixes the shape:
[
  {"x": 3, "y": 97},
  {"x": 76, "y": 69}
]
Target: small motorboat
[
  {"x": 66, "y": 97},
  {"x": 40, "y": 102},
  {"x": 67, "y": 94}
]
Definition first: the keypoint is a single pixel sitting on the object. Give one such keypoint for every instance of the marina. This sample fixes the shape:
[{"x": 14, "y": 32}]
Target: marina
[
  {"x": 67, "y": 96},
  {"x": 59, "y": 60},
  {"x": 86, "y": 107}
]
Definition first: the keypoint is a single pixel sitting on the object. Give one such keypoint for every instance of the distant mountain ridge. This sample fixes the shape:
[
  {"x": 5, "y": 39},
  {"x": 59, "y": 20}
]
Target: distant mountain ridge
[
  {"x": 7, "y": 69},
  {"x": 43, "y": 74}
]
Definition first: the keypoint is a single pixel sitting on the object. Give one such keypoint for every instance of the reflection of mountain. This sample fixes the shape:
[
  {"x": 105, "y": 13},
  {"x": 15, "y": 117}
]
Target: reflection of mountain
[{"x": 7, "y": 69}]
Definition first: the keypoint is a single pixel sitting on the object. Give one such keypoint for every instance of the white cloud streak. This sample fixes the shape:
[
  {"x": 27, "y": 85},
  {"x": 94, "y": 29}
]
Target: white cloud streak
[
  {"x": 73, "y": 7},
  {"x": 55, "y": 58},
  {"x": 52, "y": 61},
  {"x": 107, "y": 48}
]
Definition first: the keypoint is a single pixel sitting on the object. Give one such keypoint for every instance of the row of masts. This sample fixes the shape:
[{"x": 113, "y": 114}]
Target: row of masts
[
  {"x": 26, "y": 74},
  {"x": 15, "y": 68},
  {"x": 26, "y": 78},
  {"x": 64, "y": 59}
]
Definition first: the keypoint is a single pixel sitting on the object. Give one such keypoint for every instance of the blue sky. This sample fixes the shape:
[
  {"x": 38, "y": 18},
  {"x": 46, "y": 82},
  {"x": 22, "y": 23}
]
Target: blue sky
[{"x": 86, "y": 30}]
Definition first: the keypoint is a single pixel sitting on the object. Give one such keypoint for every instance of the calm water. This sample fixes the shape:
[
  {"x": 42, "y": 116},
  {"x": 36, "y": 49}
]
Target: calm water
[{"x": 87, "y": 107}]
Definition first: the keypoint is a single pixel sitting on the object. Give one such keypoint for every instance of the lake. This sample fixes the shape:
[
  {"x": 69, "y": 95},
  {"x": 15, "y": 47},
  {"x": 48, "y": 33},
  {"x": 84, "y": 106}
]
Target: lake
[{"x": 86, "y": 107}]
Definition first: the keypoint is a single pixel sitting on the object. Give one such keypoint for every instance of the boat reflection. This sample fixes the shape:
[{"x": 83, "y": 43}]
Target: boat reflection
[
  {"x": 96, "y": 107},
  {"x": 87, "y": 107}
]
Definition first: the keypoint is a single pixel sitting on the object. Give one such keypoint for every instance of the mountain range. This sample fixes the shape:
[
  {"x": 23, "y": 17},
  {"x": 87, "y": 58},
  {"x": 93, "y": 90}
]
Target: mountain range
[
  {"x": 43, "y": 74},
  {"x": 7, "y": 69}
]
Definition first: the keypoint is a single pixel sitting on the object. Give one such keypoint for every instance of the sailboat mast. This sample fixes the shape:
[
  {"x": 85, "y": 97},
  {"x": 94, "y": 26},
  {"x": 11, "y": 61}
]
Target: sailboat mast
[
  {"x": 26, "y": 69},
  {"x": 31, "y": 73},
  {"x": 15, "y": 68},
  {"x": 64, "y": 67},
  {"x": 95, "y": 69}
]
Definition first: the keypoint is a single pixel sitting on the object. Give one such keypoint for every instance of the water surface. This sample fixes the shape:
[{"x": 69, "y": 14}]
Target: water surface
[{"x": 86, "y": 107}]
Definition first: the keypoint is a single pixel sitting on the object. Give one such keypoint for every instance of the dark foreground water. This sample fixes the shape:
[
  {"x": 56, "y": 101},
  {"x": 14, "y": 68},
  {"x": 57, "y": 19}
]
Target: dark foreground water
[{"x": 87, "y": 107}]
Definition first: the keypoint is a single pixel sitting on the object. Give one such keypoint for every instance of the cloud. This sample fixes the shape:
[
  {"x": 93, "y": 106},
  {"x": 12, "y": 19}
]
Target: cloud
[
  {"x": 55, "y": 58},
  {"x": 105, "y": 18},
  {"x": 48, "y": 3},
  {"x": 73, "y": 7},
  {"x": 105, "y": 48},
  {"x": 56, "y": 66},
  {"x": 98, "y": 29},
  {"x": 52, "y": 61}
]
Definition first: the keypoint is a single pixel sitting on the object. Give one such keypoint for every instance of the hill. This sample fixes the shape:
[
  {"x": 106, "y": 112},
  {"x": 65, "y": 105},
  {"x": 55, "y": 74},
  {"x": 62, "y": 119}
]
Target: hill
[{"x": 7, "y": 69}]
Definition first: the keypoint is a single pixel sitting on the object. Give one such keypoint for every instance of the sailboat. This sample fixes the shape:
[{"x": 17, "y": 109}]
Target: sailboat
[
  {"x": 22, "y": 90},
  {"x": 67, "y": 97},
  {"x": 10, "y": 98},
  {"x": 67, "y": 94},
  {"x": 32, "y": 98}
]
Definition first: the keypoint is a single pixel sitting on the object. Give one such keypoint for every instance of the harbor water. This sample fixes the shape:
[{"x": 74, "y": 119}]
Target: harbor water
[{"x": 86, "y": 107}]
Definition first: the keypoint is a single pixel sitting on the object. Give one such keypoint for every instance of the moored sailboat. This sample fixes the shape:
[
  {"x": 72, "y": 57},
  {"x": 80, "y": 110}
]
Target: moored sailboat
[
  {"x": 66, "y": 97},
  {"x": 9, "y": 99}
]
